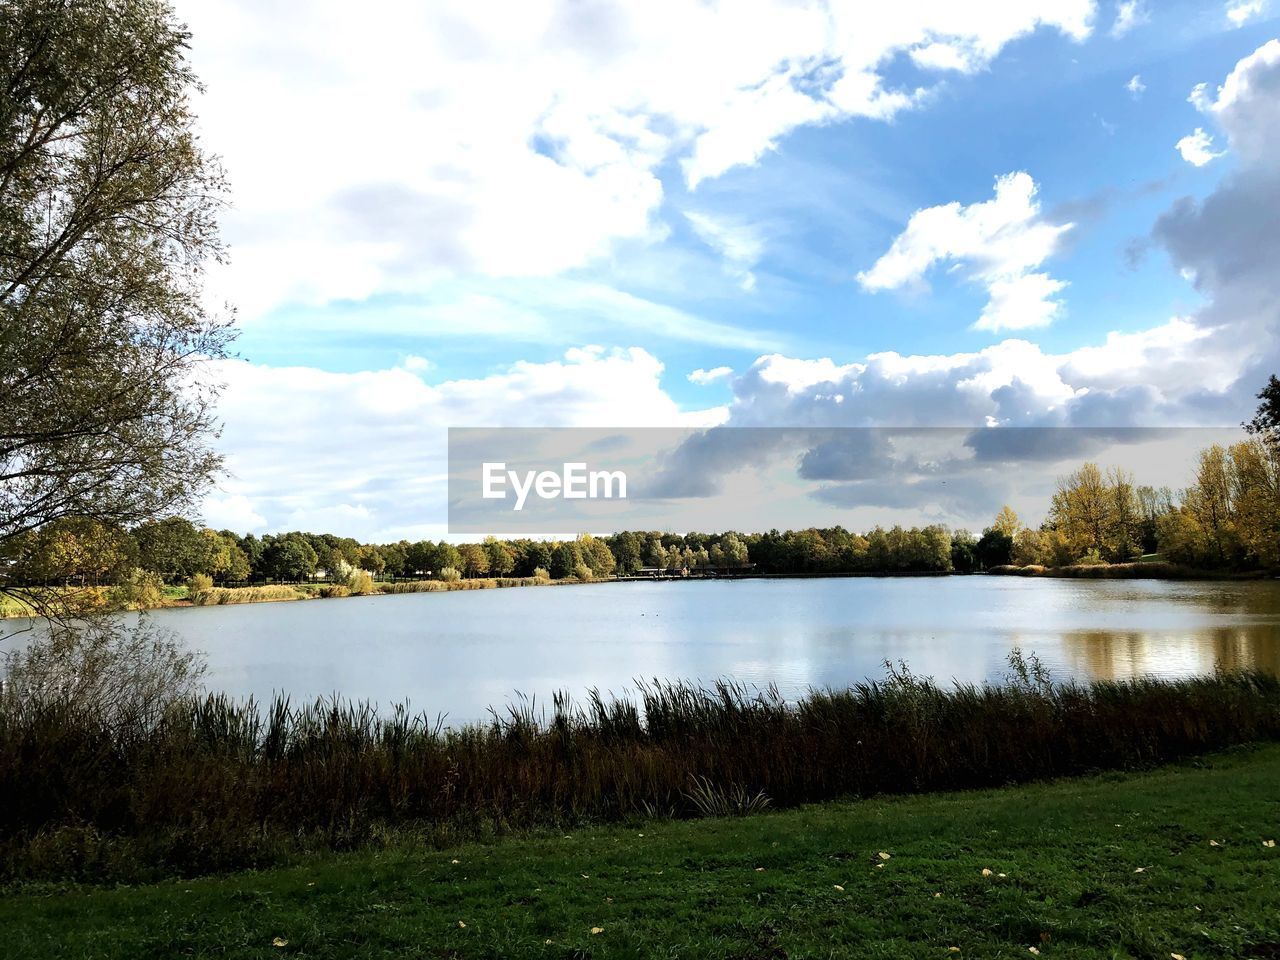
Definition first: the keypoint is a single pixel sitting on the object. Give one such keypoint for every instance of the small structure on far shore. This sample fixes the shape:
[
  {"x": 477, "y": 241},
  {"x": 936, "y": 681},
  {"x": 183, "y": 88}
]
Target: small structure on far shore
[{"x": 657, "y": 573}]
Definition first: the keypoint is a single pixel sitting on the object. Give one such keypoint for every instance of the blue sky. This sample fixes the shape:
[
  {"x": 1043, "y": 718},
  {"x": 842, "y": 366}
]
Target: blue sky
[{"x": 471, "y": 217}]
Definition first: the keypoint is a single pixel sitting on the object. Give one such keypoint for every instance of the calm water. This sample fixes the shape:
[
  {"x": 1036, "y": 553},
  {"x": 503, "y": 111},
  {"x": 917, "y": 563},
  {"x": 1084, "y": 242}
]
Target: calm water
[{"x": 459, "y": 652}]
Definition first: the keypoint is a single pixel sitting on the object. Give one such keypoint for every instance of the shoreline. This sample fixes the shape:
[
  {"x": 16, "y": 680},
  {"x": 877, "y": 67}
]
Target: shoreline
[{"x": 1115, "y": 571}]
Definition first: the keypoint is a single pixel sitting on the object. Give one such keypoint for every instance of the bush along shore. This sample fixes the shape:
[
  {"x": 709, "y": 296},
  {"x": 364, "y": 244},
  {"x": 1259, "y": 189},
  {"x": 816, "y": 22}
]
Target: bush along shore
[
  {"x": 205, "y": 784},
  {"x": 1145, "y": 570}
]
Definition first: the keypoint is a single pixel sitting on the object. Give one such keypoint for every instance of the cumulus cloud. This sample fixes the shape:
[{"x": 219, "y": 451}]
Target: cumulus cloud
[
  {"x": 1000, "y": 242},
  {"x": 1136, "y": 87},
  {"x": 1129, "y": 14},
  {"x": 1197, "y": 148},
  {"x": 1245, "y": 105},
  {"x": 1239, "y": 12},
  {"x": 378, "y": 153},
  {"x": 703, "y": 377}
]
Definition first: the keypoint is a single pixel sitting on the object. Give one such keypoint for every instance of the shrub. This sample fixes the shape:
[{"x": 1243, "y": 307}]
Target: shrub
[
  {"x": 335, "y": 590},
  {"x": 582, "y": 572},
  {"x": 360, "y": 582},
  {"x": 198, "y": 583},
  {"x": 139, "y": 590},
  {"x": 117, "y": 677},
  {"x": 450, "y": 575},
  {"x": 540, "y": 573}
]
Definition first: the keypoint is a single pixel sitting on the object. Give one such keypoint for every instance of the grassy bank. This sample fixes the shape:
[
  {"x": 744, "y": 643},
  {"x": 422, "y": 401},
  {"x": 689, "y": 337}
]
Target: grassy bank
[
  {"x": 1154, "y": 865},
  {"x": 214, "y": 785}
]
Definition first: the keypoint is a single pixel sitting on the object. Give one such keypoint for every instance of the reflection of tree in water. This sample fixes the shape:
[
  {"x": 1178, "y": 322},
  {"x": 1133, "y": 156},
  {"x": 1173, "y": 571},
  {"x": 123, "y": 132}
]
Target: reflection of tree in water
[
  {"x": 1120, "y": 655},
  {"x": 1251, "y": 598}
]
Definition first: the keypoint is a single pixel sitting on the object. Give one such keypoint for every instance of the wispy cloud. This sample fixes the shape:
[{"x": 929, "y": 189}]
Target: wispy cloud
[{"x": 1129, "y": 14}]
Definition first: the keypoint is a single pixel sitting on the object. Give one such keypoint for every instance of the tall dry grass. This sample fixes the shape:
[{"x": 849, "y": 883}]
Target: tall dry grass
[
  {"x": 220, "y": 596},
  {"x": 214, "y": 784}
]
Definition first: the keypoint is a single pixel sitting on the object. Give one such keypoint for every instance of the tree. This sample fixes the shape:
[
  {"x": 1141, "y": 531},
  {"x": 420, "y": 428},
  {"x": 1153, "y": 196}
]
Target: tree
[
  {"x": 595, "y": 554},
  {"x": 1265, "y": 424},
  {"x": 107, "y": 220},
  {"x": 963, "y": 557},
  {"x": 75, "y": 550},
  {"x": 447, "y": 556},
  {"x": 1007, "y": 522},
  {"x": 289, "y": 557},
  {"x": 626, "y": 552},
  {"x": 173, "y": 548},
  {"x": 475, "y": 561},
  {"x": 502, "y": 559},
  {"x": 994, "y": 548},
  {"x": 565, "y": 560}
]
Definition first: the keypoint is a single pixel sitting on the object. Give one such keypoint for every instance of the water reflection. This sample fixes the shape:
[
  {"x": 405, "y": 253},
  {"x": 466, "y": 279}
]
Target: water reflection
[
  {"x": 459, "y": 653},
  {"x": 1114, "y": 655}
]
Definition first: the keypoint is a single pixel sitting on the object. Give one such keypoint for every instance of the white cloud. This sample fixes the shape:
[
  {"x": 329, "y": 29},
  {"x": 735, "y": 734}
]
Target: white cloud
[
  {"x": 377, "y": 153},
  {"x": 1129, "y": 14},
  {"x": 703, "y": 377},
  {"x": 1241, "y": 11},
  {"x": 1001, "y": 241},
  {"x": 364, "y": 453},
  {"x": 1197, "y": 148},
  {"x": 1245, "y": 105},
  {"x": 1136, "y": 87},
  {"x": 739, "y": 244},
  {"x": 231, "y": 512}
]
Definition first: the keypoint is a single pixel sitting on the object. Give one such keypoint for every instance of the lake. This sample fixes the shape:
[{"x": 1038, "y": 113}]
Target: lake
[{"x": 457, "y": 653}]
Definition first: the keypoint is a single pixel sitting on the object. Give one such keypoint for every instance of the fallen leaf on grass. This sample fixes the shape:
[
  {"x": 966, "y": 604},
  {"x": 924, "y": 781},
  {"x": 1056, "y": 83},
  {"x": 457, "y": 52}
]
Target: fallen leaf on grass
[
  {"x": 881, "y": 865},
  {"x": 1176, "y": 956},
  {"x": 953, "y": 949},
  {"x": 884, "y": 856},
  {"x": 455, "y": 861},
  {"x": 986, "y": 872},
  {"x": 1214, "y": 843},
  {"x": 937, "y": 896},
  {"x": 1033, "y": 950},
  {"x": 462, "y": 925},
  {"x": 279, "y": 942},
  {"x": 838, "y": 887},
  {"x": 759, "y": 869},
  {"x": 595, "y": 930},
  {"x": 1268, "y": 843},
  {"x": 1141, "y": 870}
]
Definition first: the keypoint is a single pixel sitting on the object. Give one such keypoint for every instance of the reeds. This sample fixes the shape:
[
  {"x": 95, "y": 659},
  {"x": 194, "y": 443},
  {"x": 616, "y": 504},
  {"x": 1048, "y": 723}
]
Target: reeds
[
  {"x": 216, "y": 784},
  {"x": 220, "y": 596}
]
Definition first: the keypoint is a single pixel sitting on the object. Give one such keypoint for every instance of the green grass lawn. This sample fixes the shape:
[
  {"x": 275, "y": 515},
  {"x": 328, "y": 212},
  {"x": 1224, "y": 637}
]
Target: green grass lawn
[{"x": 1171, "y": 862}]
